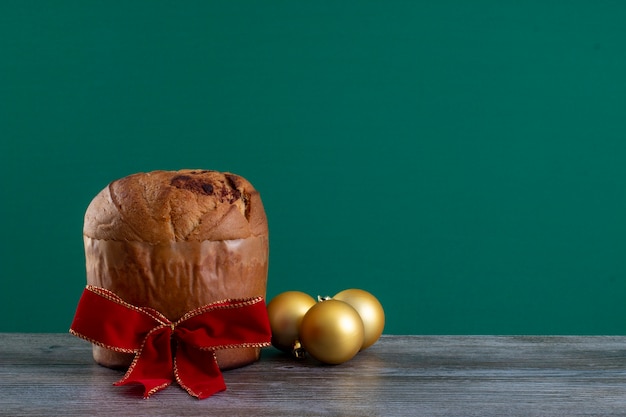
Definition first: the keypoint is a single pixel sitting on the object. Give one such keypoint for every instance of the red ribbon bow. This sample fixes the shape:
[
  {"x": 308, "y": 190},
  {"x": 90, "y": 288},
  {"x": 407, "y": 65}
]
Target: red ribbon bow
[{"x": 164, "y": 350}]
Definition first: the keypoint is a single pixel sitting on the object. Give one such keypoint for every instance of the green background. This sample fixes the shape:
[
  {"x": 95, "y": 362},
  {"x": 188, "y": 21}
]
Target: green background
[{"x": 464, "y": 161}]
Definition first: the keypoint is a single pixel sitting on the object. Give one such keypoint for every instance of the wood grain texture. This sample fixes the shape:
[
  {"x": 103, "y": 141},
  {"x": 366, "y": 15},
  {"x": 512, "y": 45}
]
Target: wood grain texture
[{"x": 54, "y": 374}]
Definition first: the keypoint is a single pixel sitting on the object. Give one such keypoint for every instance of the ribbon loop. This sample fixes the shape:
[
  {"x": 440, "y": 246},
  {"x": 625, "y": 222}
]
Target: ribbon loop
[
  {"x": 124, "y": 328},
  {"x": 105, "y": 319},
  {"x": 231, "y": 323}
]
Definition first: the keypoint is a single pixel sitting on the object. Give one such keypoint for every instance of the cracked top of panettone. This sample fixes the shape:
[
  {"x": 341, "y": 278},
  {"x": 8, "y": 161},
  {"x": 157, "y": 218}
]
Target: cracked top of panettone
[{"x": 185, "y": 205}]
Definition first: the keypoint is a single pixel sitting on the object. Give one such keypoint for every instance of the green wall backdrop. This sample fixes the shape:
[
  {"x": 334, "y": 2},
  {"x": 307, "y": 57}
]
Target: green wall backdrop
[{"x": 465, "y": 161}]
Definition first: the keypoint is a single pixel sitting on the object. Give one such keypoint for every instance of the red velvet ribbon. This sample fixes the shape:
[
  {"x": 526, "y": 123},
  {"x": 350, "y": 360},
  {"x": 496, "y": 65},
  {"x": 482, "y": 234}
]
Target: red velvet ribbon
[{"x": 166, "y": 351}]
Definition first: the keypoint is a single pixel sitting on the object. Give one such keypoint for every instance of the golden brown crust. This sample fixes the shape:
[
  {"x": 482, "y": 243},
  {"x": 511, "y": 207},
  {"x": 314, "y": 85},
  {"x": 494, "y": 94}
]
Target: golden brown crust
[
  {"x": 185, "y": 205},
  {"x": 175, "y": 241}
]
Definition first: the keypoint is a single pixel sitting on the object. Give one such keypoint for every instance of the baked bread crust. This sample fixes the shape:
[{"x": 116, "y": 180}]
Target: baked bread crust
[
  {"x": 175, "y": 241},
  {"x": 185, "y": 205}
]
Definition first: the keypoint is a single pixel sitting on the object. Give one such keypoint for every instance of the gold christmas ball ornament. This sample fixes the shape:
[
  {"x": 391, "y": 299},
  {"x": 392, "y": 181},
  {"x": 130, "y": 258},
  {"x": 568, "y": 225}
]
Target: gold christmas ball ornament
[
  {"x": 285, "y": 313},
  {"x": 332, "y": 332},
  {"x": 370, "y": 310}
]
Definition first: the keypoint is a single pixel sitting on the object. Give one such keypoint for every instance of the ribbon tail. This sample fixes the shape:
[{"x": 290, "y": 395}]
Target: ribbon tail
[
  {"x": 197, "y": 371},
  {"x": 152, "y": 366},
  {"x": 150, "y": 386}
]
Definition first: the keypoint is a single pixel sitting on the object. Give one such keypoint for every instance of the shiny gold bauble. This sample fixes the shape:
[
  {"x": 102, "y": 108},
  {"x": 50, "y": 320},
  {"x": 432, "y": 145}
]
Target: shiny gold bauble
[
  {"x": 370, "y": 310},
  {"x": 332, "y": 332},
  {"x": 285, "y": 313}
]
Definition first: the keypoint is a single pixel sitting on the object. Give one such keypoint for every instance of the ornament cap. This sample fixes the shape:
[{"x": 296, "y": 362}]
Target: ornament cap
[{"x": 298, "y": 351}]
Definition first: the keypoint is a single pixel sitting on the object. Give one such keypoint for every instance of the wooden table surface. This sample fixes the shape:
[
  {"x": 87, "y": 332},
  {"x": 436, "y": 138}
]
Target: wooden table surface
[{"x": 54, "y": 375}]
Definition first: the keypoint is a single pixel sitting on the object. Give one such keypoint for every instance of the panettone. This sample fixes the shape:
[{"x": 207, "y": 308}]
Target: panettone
[{"x": 177, "y": 240}]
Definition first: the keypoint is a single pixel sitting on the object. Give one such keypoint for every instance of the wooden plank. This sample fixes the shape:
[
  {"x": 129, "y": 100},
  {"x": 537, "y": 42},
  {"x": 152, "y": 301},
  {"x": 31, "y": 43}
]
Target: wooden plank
[{"x": 53, "y": 374}]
